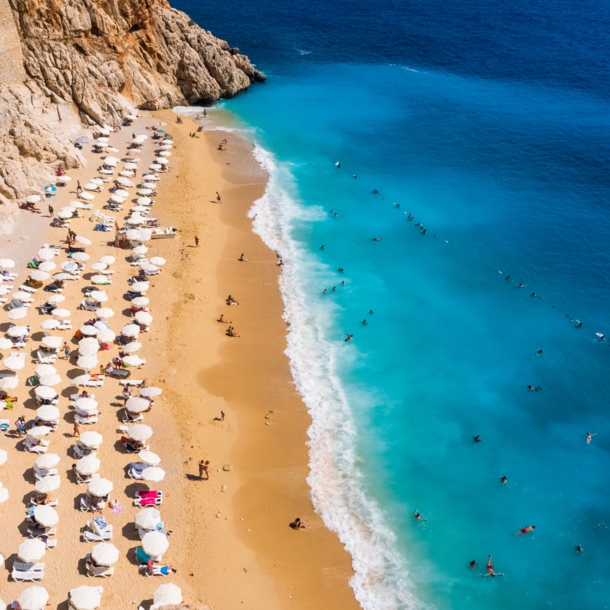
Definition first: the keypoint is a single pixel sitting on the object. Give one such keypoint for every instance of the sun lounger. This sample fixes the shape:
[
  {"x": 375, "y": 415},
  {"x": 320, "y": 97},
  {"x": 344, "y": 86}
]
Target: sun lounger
[
  {"x": 128, "y": 418},
  {"x": 102, "y": 571},
  {"x": 41, "y": 532},
  {"x": 24, "y": 567},
  {"x": 135, "y": 470},
  {"x": 90, "y": 305},
  {"x": 81, "y": 452},
  {"x": 142, "y": 502},
  {"x": 27, "y": 575},
  {"x": 31, "y": 447},
  {"x": 86, "y": 506},
  {"x": 156, "y": 571},
  {"x": 131, "y": 382},
  {"x": 41, "y": 473},
  {"x": 149, "y": 493},
  {"x": 45, "y": 358},
  {"x": 79, "y": 419},
  {"x": 5, "y": 424},
  {"x": 54, "y": 502}
]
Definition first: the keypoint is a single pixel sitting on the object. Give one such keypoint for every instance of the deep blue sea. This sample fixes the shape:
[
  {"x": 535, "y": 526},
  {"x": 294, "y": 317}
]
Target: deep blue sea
[{"x": 489, "y": 123}]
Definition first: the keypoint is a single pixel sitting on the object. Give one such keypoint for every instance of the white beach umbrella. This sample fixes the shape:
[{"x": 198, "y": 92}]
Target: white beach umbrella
[
  {"x": 22, "y": 296},
  {"x": 45, "y": 254},
  {"x": 46, "y": 515},
  {"x": 100, "y": 487},
  {"x": 144, "y": 192},
  {"x": 143, "y": 200},
  {"x": 111, "y": 149},
  {"x": 31, "y": 550},
  {"x": 52, "y": 341},
  {"x": 91, "y": 187},
  {"x": 121, "y": 193},
  {"x": 104, "y": 313},
  {"x": 88, "y": 346},
  {"x": 97, "y": 181},
  {"x": 86, "y": 598},
  {"x": 139, "y": 432},
  {"x": 168, "y": 594},
  {"x": 88, "y": 330},
  {"x": 88, "y": 465},
  {"x": 137, "y": 405},
  {"x": 18, "y": 331},
  {"x": 50, "y": 324},
  {"x": 50, "y": 380},
  {"x": 48, "y": 484},
  {"x": 140, "y": 301},
  {"x": 45, "y": 369},
  {"x": 81, "y": 256},
  {"x": 139, "y": 208},
  {"x": 3, "y": 456},
  {"x": 162, "y": 161},
  {"x": 132, "y": 360},
  {"x": 132, "y": 348},
  {"x": 153, "y": 474},
  {"x": 131, "y": 117},
  {"x": 167, "y": 141},
  {"x": 99, "y": 295},
  {"x": 152, "y": 177},
  {"x": 18, "y": 314},
  {"x": 33, "y": 198},
  {"x": 86, "y": 196},
  {"x": 48, "y": 413},
  {"x": 47, "y": 266},
  {"x": 148, "y": 518},
  {"x": 68, "y": 208},
  {"x": 64, "y": 276},
  {"x": 90, "y": 439},
  {"x": 33, "y": 598},
  {"x": 131, "y": 166},
  {"x": 103, "y": 140},
  {"x": 39, "y": 276},
  {"x": 126, "y": 173},
  {"x": 48, "y": 460},
  {"x": 155, "y": 543},
  {"x": 110, "y": 160},
  {"x": 83, "y": 240},
  {"x": 9, "y": 383},
  {"x": 99, "y": 279},
  {"x": 157, "y": 260},
  {"x": 5, "y": 343},
  {"x": 143, "y": 317},
  {"x": 56, "y": 298},
  {"x": 45, "y": 392},
  {"x": 149, "y": 185},
  {"x": 131, "y": 330},
  {"x": 124, "y": 182},
  {"x": 70, "y": 267},
  {"x": 4, "y": 495},
  {"x": 106, "y": 336},
  {"x": 150, "y": 458},
  {"x": 86, "y": 404},
  {"x": 63, "y": 179},
  {"x": 117, "y": 199},
  {"x": 150, "y": 392},
  {"x": 108, "y": 260},
  {"x": 87, "y": 362},
  {"x": 135, "y": 220},
  {"x": 7, "y": 263},
  {"x": 80, "y": 205},
  {"x": 64, "y": 215},
  {"x": 61, "y": 313},
  {"x": 98, "y": 266},
  {"x": 140, "y": 250},
  {"x": 38, "y": 431},
  {"x": 165, "y": 153},
  {"x": 140, "y": 286},
  {"x": 105, "y": 554},
  {"x": 14, "y": 363}
]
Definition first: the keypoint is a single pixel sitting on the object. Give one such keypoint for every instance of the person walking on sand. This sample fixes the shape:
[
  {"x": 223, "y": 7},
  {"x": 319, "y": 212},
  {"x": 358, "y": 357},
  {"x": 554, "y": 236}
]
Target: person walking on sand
[
  {"x": 20, "y": 425},
  {"x": 51, "y": 211},
  {"x": 76, "y": 431},
  {"x": 218, "y": 197},
  {"x": 525, "y": 530},
  {"x": 222, "y": 416},
  {"x": 204, "y": 468},
  {"x": 79, "y": 188},
  {"x": 196, "y": 242},
  {"x": 66, "y": 351}
]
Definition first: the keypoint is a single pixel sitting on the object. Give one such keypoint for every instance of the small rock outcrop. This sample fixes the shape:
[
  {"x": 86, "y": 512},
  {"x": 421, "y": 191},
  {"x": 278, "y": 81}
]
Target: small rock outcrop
[{"x": 87, "y": 62}]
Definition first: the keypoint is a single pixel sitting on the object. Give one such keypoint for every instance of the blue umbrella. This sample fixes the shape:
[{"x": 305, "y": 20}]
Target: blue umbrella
[
  {"x": 82, "y": 140},
  {"x": 50, "y": 189}
]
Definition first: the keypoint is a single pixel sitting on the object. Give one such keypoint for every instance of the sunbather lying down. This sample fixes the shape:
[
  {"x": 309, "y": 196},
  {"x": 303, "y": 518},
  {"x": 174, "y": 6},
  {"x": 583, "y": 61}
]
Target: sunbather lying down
[{"x": 151, "y": 570}]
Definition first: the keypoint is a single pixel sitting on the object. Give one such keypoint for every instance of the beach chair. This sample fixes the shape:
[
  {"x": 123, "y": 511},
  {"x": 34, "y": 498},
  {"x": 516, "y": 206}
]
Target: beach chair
[
  {"x": 132, "y": 382},
  {"x": 83, "y": 420},
  {"x": 81, "y": 452},
  {"x": 135, "y": 470},
  {"x": 94, "y": 383},
  {"x": 99, "y": 530},
  {"x": 54, "y": 502},
  {"x": 102, "y": 571},
  {"x": 128, "y": 418},
  {"x": 42, "y": 532},
  {"x": 148, "y": 493},
  {"x": 24, "y": 567},
  {"x": 87, "y": 507},
  {"x": 27, "y": 575},
  {"x": 89, "y": 305},
  {"x": 81, "y": 479},
  {"x": 31, "y": 447},
  {"x": 41, "y": 473},
  {"x": 45, "y": 357},
  {"x": 143, "y": 502}
]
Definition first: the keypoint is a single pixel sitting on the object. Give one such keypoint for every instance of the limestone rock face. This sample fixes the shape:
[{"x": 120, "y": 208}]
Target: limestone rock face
[{"x": 92, "y": 62}]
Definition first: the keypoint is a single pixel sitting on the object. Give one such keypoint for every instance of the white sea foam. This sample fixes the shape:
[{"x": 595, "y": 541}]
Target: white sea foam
[{"x": 381, "y": 579}]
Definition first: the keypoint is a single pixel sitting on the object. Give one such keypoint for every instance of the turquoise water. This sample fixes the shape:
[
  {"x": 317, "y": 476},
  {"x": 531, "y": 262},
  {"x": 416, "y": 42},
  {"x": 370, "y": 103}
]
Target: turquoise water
[{"x": 510, "y": 178}]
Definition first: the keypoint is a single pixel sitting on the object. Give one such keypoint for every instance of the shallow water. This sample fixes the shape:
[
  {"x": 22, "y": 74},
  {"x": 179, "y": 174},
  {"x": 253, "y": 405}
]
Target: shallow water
[{"x": 494, "y": 135}]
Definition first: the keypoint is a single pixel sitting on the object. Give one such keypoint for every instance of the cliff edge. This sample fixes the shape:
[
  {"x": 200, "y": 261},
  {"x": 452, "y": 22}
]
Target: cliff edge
[{"x": 69, "y": 63}]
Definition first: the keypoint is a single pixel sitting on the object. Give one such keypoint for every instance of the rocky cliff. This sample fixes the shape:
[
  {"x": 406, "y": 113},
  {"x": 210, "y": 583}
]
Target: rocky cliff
[{"x": 87, "y": 62}]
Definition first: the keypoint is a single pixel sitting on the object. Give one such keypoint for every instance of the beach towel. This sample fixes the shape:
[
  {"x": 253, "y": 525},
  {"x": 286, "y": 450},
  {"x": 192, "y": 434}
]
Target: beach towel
[
  {"x": 117, "y": 508},
  {"x": 100, "y": 522}
]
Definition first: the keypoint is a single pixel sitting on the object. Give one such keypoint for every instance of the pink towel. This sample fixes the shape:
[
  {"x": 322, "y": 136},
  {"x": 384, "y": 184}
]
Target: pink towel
[{"x": 117, "y": 508}]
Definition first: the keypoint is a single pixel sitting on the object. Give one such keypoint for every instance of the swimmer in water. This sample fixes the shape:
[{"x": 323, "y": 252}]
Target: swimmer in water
[
  {"x": 525, "y": 530},
  {"x": 490, "y": 569},
  {"x": 532, "y": 295},
  {"x": 540, "y": 352},
  {"x": 417, "y": 516},
  {"x": 334, "y": 289},
  {"x": 504, "y": 480},
  {"x": 364, "y": 322},
  {"x": 508, "y": 278},
  {"x": 579, "y": 548},
  {"x": 531, "y": 388},
  {"x": 477, "y": 438},
  {"x": 473, "y": 564},
  {"x": 590, "y": 437},
  {"x": 324, "y": 291},
  {"x": 371, "y": 311},
  {"x": 355, "y": 176},
  {"x": 521, "y": 286},
  {"x": 376, "y": 238},
  {"x": 322, "y": 247},
  {"x": 349, "y": 337}
]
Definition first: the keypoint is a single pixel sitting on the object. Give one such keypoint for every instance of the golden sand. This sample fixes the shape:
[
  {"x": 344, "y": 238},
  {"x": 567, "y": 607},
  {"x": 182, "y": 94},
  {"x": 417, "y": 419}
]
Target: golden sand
[{"x": 231, "y": 541}]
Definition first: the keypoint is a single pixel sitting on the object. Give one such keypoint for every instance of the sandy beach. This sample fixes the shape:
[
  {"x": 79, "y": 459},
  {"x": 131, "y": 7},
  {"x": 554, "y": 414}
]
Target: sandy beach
[{"x": 230, "y": 537}]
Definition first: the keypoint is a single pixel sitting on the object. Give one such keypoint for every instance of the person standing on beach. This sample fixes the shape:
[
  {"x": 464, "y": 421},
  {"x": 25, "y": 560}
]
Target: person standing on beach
[
  {"x": 218, "y": 197},
  {"x": 79, "y": 188},
  {"x": 76, "y": 431},
  {"x": 66, "y": 351},
  {"x": 20, "y": 425},
  {"x": 204, "y": 468},
  {"x": 222, "y": 416},
  {"x": 196, "y": 242},
  {"x": 51, "y": 211}
]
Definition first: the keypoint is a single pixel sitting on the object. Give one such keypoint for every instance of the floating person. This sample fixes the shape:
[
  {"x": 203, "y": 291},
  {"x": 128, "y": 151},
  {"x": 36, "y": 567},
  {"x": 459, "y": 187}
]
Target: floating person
[
  {"x": 355, "y": 176},
  {"x": 579, "y": 323},
  {"x": 375, "y": 192},
  {"x": 349, "y": 337},
  {"x": 590, "y": 437},
  {"x": 336, "y": 215},
  {"x": 322, "y": 247},
  {"x": 532, "y": 295},
  {"x": 337, "y": 164},
  {"x": 340, "y": 270},
  {"x": 600, "y": 336},
  {"x": 477, "y": 438},
  {"x": 507, "y": 278},
  {"x": 521, "y": 286},
  {"x": 417, "y": 516},
  {"x": 539, "y": 352},
  {"x": 376, "y": 238},
  {"x": 525, "y": 530},
  {"x": 371, "y": 311},
  {"x": 579, "y": 548},
  {"x": 473, "y": 564},
  {"x": 334, "y": 289},
  {"x": 504, "y": 480},
  {"x": 324, "y": 292},
  {"x": 490, "y": 569},
  {"x": 364, "y": 322},
  {"x": 531, "y": 388}
]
